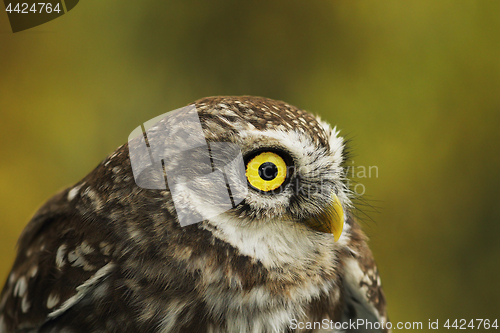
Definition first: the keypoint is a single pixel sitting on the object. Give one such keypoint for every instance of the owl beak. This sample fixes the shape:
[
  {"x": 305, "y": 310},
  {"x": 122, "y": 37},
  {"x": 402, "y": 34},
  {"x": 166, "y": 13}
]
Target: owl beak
[
  {"x": 331, "y": 220},
  {"x": 337, "y": 220}
]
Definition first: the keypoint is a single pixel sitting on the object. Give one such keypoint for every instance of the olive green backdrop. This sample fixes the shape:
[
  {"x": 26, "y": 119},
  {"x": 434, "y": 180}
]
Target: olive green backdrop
[{"x": 414, "y": 85}]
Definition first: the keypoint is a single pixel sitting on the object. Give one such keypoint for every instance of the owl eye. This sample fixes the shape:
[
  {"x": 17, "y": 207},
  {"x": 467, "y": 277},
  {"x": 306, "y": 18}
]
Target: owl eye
[{"x": 266, "y": 171}]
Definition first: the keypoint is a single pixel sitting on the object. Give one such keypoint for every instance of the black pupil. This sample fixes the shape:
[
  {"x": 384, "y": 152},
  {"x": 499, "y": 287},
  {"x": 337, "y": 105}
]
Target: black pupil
[{"x": 268, "y": 171}]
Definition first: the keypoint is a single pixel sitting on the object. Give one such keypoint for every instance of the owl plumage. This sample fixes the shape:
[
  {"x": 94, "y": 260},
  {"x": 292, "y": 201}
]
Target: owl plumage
[{"x": 109, "y": 256}]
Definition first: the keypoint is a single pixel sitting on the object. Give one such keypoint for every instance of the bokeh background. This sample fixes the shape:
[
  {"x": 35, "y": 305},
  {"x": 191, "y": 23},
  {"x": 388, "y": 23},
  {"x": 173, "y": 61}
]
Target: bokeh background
[{"x": 414, "y": 85}]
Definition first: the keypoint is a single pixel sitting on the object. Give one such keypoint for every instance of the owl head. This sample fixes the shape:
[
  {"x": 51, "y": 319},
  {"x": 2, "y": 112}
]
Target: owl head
[{"x": 246, "y": 166}]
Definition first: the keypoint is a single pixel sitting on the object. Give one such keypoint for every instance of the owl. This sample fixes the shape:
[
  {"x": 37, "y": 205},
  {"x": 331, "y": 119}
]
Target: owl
[{"x": 264, "y": 241}]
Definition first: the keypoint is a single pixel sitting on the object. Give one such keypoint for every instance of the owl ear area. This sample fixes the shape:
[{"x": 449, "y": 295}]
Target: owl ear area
[{"x": 331, "y": 220}]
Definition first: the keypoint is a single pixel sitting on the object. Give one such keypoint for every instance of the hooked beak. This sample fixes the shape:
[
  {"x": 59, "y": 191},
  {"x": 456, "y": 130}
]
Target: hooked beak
[{"x": 331, "y": 220}]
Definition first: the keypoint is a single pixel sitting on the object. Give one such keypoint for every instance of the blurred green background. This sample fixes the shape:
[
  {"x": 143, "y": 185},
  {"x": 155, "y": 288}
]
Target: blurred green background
[{"x": 415, "y": 85}]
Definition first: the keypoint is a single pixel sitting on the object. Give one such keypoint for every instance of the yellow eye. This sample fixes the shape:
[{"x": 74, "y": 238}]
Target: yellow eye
[{"x": 266, "y": 171}]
